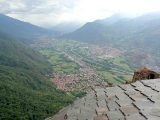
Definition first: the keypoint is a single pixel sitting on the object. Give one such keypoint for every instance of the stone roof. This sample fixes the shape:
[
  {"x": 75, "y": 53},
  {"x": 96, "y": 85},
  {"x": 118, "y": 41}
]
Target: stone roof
[
  {"x": 135, "y": 101},
  {"x": 145, "y": 70},
  {"x": 144, "y": 73}
]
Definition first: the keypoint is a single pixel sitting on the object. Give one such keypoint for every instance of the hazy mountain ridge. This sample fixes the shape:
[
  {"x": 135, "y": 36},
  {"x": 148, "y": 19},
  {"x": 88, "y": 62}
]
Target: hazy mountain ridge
[
  {"x": 110, "y": 20},
  {"x": 67, "y": 26},
  {"x": 22, "y": 29},
  {"x": 140, "y": 32}
]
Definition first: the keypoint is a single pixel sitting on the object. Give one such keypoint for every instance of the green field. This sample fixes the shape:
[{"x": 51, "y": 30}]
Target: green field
[
  {"x": 121, "y": 64},
  {"x": 111, "y": 76},
  {"x": 60, "y": 63}
]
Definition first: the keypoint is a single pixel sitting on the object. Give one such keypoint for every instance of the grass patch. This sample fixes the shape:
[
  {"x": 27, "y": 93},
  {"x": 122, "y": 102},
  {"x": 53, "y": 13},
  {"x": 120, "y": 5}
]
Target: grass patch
[{"x": 60, "y": 63}]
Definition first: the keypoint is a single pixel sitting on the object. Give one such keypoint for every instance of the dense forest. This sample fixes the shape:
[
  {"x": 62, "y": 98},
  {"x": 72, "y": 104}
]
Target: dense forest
[{"x": 26, "y": 91}]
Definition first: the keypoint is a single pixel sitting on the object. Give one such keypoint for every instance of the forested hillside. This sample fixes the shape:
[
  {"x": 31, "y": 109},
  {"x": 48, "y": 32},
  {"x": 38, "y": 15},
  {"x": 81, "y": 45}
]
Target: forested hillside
[{"x": 25, "y": 89}]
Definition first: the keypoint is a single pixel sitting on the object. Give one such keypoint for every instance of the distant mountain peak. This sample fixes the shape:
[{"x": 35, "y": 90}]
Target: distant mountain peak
[
  {"x": 111, "y": 20},
  {"x": 67, "y": 26},
  {"x": 21, "y": 29}
]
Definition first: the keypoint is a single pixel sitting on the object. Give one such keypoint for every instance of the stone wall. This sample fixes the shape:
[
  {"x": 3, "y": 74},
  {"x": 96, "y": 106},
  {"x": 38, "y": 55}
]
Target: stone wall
[{"x": 144, "y": 74}]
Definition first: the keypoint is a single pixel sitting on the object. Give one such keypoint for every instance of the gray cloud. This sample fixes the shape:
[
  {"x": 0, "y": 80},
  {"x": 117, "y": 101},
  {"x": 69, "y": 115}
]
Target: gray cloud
[
  {"x": 47, "y": 13},
  {"x": 38, "y": 12},
  {"x": 36, "y": 6}
]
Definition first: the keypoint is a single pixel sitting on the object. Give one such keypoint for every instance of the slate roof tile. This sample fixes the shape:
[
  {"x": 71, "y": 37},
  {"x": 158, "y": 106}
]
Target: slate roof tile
[
  {"x": 126, "y": 87},
  {"x": 135, "y": 117},
  {"x": 138, "y": 97},
  {"x": 101, "y": 117},
  {"x": 131, "y": 92},
  {"x": 101, "y": 110},
  {"x": 111, "y": 99},
  {"x": 113, "y": 106},
  {"x": 115, "y": 115},
  {"x": 138, "y": 101},
  {"x": 141, "y": 105},
  {"x": 124, "y": 102},
  {"x": 151, "y": 117},
  {"x": 137, "y": 84},
  {"x": 129, "y": 110},
  {"x": 101, "y": 103}
]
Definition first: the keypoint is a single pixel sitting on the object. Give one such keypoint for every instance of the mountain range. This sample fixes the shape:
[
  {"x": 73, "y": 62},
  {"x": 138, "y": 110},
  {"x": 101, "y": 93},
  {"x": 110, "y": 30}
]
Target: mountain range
[
  {"x": 67, "y": 27},
  {"x": 130, "y": 33},
  {"x": 22, "y": 29}
]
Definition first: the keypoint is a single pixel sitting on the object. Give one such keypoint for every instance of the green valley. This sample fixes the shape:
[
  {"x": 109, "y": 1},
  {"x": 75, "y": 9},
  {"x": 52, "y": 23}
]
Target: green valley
[{"x": 77, "y": 64}]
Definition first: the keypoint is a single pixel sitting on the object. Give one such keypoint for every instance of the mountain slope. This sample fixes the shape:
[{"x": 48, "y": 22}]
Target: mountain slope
[
  {"x": 141, "y": 32},
  {"x": 22, "y": 29},
  {"x": 110, "y": 20},
  {"x": 25, "y": 90},
  {"x": 67, "y": 26},
  {"x": 91, "y": 32}
]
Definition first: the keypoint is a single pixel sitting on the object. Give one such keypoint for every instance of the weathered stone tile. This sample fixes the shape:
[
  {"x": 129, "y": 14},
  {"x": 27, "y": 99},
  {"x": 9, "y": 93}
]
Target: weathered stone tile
[
  {"x": 142, "y": 88},
  {"x": 99, "y": 90},
  {"x": 91, "y": 103},
  {"x": 145, "y": 82},
  {"x": 146, "y": 112},
  {"x": 102, "y": 97},
  {"x": 138, "y": 97},
  {"x": 85, "y": 116},
  {"x": 154, "y": 97},
  {"x": 77, "y": 105},
  {"x": 151, "y": 117},
  {"x": 126, "y": 87},
  {"x": 143, "y": 104},
  {"x": 113, "y": 106},
  {"x": 156, "y": 88},
  {"x": 90, "y": 96},
  {"x": 137, "y": 84},
  {"x": 155, "y": 112},
  {"x": 135, "y": 117},
  {"x": 156, "y": 109},
  {"x": 115, "y": 115},
  {"x": 129, "y": 110},
  {"x": 122, "y": 96},
  {"x": 73, "y": 111},
  {"x": 149, "y": 93},
  {"x": 111, "y": 99},
  {"x": 102, "y": 103},
  {"x": 101, "y": 110},
  {"x": 151, "y": 83},
  {"x": 98, "y": 94},
  {"x": 101, "y": 117},
  {"x": 131, "y": 92},
  {"x": 124, "y": 102},
  {"x": 84, "y": 109},
  {"x": 113, "y": 89},
  {"x": 72, "y": 118}
]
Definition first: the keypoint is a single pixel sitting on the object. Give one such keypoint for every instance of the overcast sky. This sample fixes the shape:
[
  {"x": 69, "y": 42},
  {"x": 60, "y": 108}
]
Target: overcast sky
[{"x": 47, "y": 13}]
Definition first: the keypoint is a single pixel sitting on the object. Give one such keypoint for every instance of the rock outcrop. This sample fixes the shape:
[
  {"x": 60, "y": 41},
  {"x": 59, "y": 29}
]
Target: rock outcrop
[{"x": 144, "y": 74}]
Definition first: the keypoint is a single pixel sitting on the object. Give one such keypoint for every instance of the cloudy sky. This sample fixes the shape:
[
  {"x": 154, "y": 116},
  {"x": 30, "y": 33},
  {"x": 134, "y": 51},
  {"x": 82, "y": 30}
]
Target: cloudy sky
[{"x": 47, "y": 13}]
